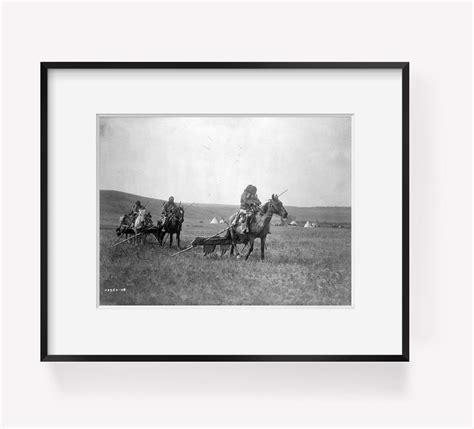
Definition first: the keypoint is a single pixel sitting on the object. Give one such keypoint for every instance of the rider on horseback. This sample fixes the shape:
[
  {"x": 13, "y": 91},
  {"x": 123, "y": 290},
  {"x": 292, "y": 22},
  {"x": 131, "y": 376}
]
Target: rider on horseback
[
  {"x": 249, "y": 204},
  {"x": 135, "y": 210},
  {"x": 148, "y": 221},
  {"x": 168, "y": 210}
]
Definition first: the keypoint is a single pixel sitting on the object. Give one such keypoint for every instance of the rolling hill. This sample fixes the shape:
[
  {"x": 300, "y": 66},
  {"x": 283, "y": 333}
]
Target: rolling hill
[{"x": 113, "y": 204}]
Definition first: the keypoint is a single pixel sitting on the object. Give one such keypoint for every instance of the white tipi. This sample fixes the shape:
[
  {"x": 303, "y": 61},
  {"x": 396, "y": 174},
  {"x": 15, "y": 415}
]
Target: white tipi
[
  {"x": 293, "y": 223},
  {"x": 214, "y": 221},
  {"x": 307, "y": 224}
]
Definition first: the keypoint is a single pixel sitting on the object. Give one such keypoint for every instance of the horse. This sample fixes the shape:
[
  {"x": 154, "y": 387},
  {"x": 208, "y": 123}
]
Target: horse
[
  {"x": 140, "y": 219},
  {"x": 125, "y": 226},
  {"x": 172, "y": 226},
  {"x": 139, "y": 223},
  {"x": 259, "y": 227},
  {"x": 128, "y": 227}
]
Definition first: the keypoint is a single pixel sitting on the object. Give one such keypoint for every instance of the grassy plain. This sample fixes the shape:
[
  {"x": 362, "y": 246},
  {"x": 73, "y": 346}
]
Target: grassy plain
[{"x": 303, "y": 266}]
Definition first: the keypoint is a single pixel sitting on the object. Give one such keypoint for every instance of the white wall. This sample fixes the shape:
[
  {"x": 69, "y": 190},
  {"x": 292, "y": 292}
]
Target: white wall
[{"x": 433, "y": 389}]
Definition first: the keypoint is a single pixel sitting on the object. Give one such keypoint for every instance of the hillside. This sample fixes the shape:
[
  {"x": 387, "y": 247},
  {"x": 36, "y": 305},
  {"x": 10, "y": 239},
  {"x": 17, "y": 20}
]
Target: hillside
[{"x": 113, "y": 204}]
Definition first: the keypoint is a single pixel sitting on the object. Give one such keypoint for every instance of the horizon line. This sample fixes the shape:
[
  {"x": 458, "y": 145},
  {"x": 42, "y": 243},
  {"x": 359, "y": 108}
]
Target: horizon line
[{"x": 220, "y": 204}]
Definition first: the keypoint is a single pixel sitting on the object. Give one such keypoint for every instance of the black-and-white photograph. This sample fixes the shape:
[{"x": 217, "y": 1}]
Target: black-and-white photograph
[{"x": 224, "y": 209}]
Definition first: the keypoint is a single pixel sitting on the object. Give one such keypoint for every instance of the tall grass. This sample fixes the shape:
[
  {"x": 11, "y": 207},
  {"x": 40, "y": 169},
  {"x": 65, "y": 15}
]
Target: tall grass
[{"x": 302, "y": 267}]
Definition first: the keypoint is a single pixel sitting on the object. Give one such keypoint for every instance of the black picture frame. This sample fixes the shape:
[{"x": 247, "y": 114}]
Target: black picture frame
[{"x": 45, "y": 356}]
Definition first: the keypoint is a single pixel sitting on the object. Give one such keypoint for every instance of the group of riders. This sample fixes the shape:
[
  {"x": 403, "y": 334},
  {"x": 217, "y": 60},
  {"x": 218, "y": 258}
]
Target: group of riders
[
  {"x": 170, "y": 209},
  {"x": 249, "y": 206}
]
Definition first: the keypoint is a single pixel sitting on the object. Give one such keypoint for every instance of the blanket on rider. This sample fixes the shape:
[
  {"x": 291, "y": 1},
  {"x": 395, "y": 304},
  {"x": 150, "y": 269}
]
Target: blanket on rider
[
  {"x": 175, "y": 212},
  {"x": 245, "y": 216},
  {"x": 128, "y": 220}
]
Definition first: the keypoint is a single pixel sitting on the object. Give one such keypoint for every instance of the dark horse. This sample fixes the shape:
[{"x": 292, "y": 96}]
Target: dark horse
[
  {"x": 171, "y": 226},
  {"x": 259, "y": 226}
]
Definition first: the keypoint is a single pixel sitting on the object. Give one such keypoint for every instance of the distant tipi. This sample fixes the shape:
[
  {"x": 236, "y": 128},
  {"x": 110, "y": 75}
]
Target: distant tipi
[
  {"x": 293, "y": 223},
  {"x": 214, "y": 221},
  {"x": 307, "y": 224}
]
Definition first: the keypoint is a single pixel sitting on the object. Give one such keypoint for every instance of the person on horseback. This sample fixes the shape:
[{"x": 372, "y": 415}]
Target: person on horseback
[
  {"x": 137, "y": 207},
  {"x": 249, "y": 204},
  {"x": 148, "y": 220},
  {"x": 168, "y": 210},
  {"x": 135, "y": 210}
]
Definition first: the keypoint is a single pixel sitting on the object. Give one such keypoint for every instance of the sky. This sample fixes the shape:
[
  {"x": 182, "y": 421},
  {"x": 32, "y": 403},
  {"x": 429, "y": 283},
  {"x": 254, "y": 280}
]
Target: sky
[{"x": 211, "y": 159}]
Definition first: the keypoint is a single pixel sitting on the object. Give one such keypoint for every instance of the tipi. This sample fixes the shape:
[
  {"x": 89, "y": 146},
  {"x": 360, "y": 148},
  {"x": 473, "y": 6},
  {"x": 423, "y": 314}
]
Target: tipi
[
  {"x": 214, "y": 221},
  {"x": 307, "y": 224},
  {"x": 293, "y": 223}
]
